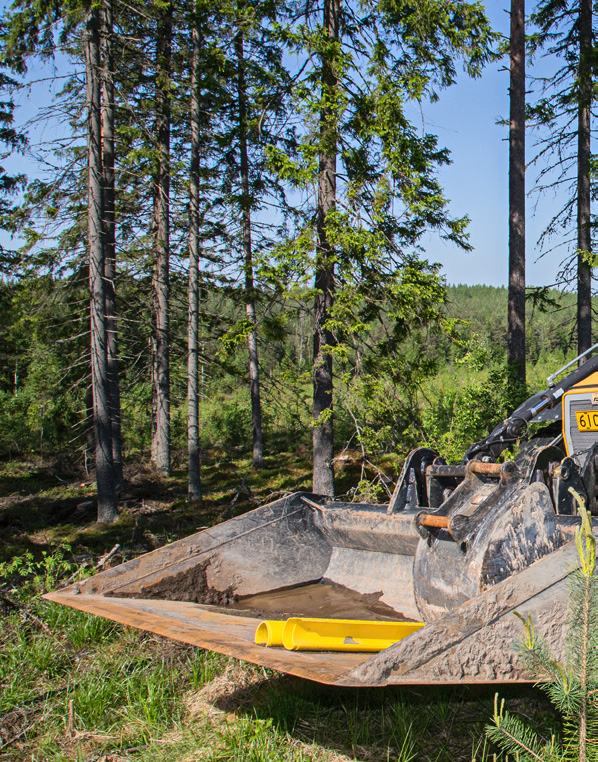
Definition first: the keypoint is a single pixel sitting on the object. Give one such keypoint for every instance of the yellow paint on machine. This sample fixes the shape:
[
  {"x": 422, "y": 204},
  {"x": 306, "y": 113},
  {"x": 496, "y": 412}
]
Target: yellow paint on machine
[{"x": 351, "y": 635}]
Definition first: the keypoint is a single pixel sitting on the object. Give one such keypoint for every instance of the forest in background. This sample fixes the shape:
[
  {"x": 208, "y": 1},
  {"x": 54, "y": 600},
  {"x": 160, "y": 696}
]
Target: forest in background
[
  {"x": 445, "y": 402},
  {"x": 224, "y": 234},
  {"x": 219, "y": 260}
]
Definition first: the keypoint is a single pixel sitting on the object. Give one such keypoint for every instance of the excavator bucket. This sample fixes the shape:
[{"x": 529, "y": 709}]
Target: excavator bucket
[{"x": 459, "y": 548}]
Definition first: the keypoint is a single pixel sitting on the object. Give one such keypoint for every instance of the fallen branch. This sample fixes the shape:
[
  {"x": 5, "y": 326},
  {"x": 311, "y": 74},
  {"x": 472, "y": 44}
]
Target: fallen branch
[
  {"x": 243, "y": 487},
  {"x": 102, "y": 562},
  {"x": 107, "y": 557},
  {"x": 26, "y": 614}
]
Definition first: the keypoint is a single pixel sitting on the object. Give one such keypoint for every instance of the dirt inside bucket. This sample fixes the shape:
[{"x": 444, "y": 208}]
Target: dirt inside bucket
[{"x": 319, "y": 600}]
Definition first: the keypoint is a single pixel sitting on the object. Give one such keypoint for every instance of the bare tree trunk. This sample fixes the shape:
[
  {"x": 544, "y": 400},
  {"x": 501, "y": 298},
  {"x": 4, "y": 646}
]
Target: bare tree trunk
[
  {"x": 193, "y": 326},
  {"x": 107, "y": 511},
  {"x": 256, "y": 408},
  {"x": 90, "y": 439},
  {"x": 110, "y": 237},
  {"x": 516, "y": 308},
  {"x": 160, "y": 276},
  {"x": 584, "y": 234},
  {"x": 323, "y": 441}
]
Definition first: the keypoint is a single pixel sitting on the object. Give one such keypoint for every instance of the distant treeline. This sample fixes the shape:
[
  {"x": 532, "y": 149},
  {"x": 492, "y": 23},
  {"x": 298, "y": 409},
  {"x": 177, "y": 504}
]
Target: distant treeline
[{"x": 452, "y": 382}]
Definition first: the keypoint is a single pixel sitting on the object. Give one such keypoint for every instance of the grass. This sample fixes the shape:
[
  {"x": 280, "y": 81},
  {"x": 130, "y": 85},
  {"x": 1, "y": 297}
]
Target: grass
[
  {"x": 132, "y": 696},
  {"x": 77, "y": 687},
  {"x": 41, "y": 507}
]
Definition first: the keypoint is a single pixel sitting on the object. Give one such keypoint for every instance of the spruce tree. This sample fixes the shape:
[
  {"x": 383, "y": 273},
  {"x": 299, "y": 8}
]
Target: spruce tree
[
  {"x": 161, "y": 234},
  {"x": 39, "y": 31},
  {"x": 252, "y": 94},
  {"x": 571, "y": 686},
  {"x": 100, "y": 376},
  {"x": 377, "y": 191},
  {"x": 563, "y": 112},
  {"x": 109, "y": 232},
  {"x": 193, "y": 444},
  {"x": 516, "y": 307},
  {"x": 246, "y": 203},
  {"x": 13, "y": 141}
]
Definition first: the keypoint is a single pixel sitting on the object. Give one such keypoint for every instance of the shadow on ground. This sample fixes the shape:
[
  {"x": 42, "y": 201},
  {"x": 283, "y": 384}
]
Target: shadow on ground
[
  {"x": 45, "y": 505},
  {"x": 441, "y": 723}
]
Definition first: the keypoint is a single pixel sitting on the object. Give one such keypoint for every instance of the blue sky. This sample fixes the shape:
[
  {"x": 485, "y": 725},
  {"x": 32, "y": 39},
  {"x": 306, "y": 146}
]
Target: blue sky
[{"x": 465, "y": 120}]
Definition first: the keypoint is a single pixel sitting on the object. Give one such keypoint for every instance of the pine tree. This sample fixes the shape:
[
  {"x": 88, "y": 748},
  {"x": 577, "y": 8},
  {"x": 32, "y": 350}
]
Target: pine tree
[
  {"x": 516, "y": 308},
  {"x": 564, "y": 30},
  {"x": 572, "y": 686}
]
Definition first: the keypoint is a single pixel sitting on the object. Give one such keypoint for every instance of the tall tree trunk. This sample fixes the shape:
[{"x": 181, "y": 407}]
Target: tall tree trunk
[
  {"x": 516, "y": 308},
  {"x": 90, "y": 439},
  {"x": 193, "y": 326},
  {"x": 584, "y": 234},
  {"x": 110, "y": 237},
  {"x": 160, "y": 275},
  {"x": 256, "y": 408},
  {"x": 323, "y": 441},
  {"x": 107, "y": 512}
]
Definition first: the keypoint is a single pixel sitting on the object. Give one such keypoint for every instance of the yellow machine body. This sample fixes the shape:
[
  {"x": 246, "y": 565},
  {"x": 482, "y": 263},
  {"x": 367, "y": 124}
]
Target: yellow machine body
[{"x": 580, "y": 415}]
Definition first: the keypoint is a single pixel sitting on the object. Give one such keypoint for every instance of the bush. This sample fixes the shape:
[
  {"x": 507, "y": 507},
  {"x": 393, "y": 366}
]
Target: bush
[
  {"x": 226, "y": 421},
  {"x": 460, "y": 416}
]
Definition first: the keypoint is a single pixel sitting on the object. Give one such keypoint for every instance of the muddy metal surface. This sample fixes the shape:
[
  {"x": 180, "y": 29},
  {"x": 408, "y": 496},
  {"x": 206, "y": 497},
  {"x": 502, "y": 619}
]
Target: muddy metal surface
[
  {"x": 318, "y": 600},
  {"x": 214, "y": 588}
]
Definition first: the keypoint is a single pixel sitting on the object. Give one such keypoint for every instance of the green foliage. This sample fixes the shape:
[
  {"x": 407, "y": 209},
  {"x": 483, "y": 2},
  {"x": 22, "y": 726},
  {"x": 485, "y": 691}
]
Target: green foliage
[
  {"x": 514, "y": 737},
  {"x": 37, "y": 576},
  {"x": 226, "y": 421},
  {"x": 460, "y": 416},
  {"x": 429, "y": 367}
]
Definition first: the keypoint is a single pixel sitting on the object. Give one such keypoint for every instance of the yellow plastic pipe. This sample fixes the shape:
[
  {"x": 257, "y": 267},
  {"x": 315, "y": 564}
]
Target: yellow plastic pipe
[
  {"x": 308, "y": 634},
  {"x": 269, "y": 633},
  {"x": 303, "y": 634}
]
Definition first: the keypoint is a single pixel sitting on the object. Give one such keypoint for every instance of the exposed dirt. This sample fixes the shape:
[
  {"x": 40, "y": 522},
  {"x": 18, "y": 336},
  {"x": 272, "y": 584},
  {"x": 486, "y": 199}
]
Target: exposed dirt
[
  {"x": 189, "y": 586},
  {"x": 221, "y": 695},
  {"x": 318, "y": 600}
]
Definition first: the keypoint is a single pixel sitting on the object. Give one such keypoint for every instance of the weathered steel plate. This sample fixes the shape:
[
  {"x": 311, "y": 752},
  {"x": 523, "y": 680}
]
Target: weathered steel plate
[
  {"x": 288, "y": 555},
  {"x": 222, "y": 632}
]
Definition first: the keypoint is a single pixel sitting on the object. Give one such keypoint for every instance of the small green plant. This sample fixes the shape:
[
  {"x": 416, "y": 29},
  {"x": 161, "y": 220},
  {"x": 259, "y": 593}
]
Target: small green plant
[
  {"x": 38, "y": 577},
  {"x": 572, "y": 686},
  {"x": 369, "y": 492}
]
